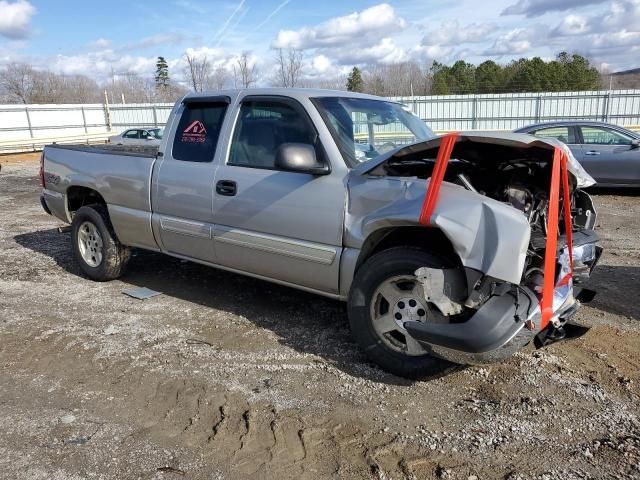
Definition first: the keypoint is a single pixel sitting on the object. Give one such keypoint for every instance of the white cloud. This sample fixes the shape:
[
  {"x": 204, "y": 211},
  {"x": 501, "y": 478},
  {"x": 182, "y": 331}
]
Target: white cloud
[
  {"x": 429, "y": 53},
  {"x": 15, "y": 18},
  {"x": 101, "y": 64},
  {"x": 611, "y": 36},
  {"x": 320, "y": 64},
  {"x": 617, "y": 39},
  {"x": 101, "y": 43},
  {"x": 341, "y": 31},
  {"x": 385, "y": 51},
  {"x": 212, "y": 54},
  {"x": 622, "y": 14},
  {"x": 514, "y": 42},
  {"x": 534, "y": 8},
  {"x": 452, "y": 33},
  {"x": 573, "y": 25}
]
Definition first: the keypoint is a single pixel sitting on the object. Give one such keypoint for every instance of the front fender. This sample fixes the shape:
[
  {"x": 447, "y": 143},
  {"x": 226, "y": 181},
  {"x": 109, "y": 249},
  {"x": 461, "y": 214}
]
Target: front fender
[{"x": 488, "y": 236}]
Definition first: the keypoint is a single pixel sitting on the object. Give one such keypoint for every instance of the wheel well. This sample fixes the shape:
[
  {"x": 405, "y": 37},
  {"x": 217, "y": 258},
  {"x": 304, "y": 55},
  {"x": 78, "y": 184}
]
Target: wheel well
[
  {"x": 80, "y": 196},
  {"x": 431, "y": 239}
]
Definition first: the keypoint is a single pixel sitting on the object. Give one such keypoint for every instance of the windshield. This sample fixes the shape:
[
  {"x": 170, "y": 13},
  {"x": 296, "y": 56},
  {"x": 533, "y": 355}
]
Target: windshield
[
  {"x": 365, "y": 128},
  {"x": 156, "y": 133}
]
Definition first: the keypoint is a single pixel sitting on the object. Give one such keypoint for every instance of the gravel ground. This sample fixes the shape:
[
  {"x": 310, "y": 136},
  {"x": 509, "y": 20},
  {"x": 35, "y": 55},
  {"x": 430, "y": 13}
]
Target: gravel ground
[{"x": 226, "y": 377}]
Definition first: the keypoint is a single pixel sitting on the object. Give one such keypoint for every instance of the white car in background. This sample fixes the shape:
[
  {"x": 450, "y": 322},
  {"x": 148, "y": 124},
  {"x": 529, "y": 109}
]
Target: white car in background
[{"x": 139, "y": 136}]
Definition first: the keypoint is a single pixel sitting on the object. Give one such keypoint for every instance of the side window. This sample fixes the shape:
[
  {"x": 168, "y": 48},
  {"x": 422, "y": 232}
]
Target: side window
[
  {"x": 197, "y": 132},
  {"x": 131, "y": 134},
  {"x": 264, "y": 125},
  {"x": 603, "y": 136},
  {"x": 564, "y": 134}
]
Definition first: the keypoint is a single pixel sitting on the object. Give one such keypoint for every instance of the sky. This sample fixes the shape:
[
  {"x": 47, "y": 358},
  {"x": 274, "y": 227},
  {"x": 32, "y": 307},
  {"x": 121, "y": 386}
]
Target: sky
[{"x": 102, "y": 38}]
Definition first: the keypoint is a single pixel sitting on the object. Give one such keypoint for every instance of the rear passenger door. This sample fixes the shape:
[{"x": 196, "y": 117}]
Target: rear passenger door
[
  {"x": 184, "y": 180},
  {"x": 277, "y": 224}
]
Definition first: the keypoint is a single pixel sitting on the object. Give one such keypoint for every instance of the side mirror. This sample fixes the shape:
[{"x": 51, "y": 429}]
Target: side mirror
[
  {"x": 635, "y": 143},
  {"x": 300, "y": 157}
]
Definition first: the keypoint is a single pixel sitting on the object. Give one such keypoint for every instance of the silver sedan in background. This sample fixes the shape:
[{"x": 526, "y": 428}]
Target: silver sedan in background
[
  {"x": 138, "y": 136},
  {"x": 610, "y": 153}
]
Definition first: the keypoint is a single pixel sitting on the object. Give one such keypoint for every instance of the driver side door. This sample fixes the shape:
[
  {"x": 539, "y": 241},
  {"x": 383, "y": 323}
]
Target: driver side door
[{"x": 282, "y": 225}]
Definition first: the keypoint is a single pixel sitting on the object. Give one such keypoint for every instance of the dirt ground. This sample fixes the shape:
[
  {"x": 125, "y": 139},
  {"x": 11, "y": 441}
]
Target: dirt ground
[{"x": 226, "y": 377}]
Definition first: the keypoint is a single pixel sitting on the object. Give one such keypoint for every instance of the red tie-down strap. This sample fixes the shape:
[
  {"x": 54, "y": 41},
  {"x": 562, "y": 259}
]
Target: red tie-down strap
[
  {"x": 560, "y": 161},
  {"x": 558, "y": 167},
  {"x": 442, "y": 161}
]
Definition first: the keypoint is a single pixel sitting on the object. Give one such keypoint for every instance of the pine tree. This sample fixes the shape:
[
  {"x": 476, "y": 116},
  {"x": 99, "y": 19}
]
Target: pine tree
[
  {"x": 162, "y": 73},
  {"x": 354, "y": 81}
]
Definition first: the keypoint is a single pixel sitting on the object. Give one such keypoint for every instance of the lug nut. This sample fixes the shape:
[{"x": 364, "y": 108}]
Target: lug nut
[
  {"x": 398, "y": 316},
  {"x": 421, "y": 312},
  {"x": 412, "y": 303},
  {"x": 401, "y": 305}
]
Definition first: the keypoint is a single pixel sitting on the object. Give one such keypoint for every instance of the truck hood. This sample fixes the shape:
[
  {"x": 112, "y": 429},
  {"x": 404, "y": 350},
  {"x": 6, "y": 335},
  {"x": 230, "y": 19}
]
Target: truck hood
[{"x": 492, "y": 146}]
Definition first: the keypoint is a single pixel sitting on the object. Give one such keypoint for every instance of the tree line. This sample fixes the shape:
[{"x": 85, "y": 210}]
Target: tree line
[
  {"x": 22, "y": 83},
  {"x": 567, "y": 72}
]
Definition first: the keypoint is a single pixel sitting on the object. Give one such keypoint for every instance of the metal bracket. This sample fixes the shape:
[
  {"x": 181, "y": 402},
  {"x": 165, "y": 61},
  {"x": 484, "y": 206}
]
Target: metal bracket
[{"x": 432, "y": 281}]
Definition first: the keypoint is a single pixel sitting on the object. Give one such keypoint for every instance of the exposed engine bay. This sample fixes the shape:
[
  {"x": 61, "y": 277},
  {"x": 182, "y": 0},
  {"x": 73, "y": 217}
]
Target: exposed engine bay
[{"x": 522, "y": 184}]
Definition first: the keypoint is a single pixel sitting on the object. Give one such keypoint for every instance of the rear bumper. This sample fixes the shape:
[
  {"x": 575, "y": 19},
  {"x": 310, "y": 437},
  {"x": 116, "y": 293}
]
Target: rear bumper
[
  {"x": 45, "y": 207},
  {"x": 54, "y": 204}
]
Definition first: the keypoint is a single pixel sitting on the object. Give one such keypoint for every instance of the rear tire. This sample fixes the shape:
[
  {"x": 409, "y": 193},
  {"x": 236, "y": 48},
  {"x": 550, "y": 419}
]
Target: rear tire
[
  {"x": 96, "y": 248},
  {"x": 377, "y": 271}
]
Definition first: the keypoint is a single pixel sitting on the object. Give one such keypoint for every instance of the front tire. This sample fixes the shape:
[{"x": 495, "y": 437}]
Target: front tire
[
  {"x": 382, "y": 296},
  {"x": 96, "y": 249}
]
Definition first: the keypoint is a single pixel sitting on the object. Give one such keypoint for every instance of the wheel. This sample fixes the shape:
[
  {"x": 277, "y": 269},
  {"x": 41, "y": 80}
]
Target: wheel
[
  {"x": 385, "y": 294},
  {"x": 95, "y": 247}
]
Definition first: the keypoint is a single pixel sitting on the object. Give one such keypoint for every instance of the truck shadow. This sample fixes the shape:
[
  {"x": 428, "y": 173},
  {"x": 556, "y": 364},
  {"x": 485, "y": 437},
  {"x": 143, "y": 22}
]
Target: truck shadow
[{"x": 305, "y": 322}]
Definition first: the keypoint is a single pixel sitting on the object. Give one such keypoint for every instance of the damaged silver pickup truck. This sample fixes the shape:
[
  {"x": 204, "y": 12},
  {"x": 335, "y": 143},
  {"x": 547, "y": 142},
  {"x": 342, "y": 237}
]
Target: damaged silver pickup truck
[{"x": 447, "y": 249}]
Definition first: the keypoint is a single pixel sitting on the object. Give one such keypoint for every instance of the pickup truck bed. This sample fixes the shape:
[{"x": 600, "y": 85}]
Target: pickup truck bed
[{"x": 111, "y": 149}]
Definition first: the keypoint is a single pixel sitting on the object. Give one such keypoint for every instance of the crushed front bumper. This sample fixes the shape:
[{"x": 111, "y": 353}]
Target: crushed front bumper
[{"x": 506, "y": 323}]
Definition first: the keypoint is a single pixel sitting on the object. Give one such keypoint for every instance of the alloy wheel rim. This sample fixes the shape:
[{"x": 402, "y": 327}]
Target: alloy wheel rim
[
  {"x": 397, "y": 300},
  {"x": 90, "y": 244}
]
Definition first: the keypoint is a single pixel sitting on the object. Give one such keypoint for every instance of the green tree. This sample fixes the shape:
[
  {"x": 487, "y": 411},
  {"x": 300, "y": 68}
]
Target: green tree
[
  {"x": 531, "y": 75},
  {"x": 578, "y": 72},
  {"x": 162, "y": 73},
  {"x": 566, "y": 73},
  {"x": 463, "y": 75},
  {"x": 441, "y": 79},
  {"x": 489, "y": 77},
  {"x": 354, "y": 81}
]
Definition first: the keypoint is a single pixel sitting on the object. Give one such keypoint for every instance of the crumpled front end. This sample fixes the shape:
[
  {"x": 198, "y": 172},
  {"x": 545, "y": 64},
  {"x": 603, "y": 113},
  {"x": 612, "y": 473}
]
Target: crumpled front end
[{"x": 497, "y": 211}]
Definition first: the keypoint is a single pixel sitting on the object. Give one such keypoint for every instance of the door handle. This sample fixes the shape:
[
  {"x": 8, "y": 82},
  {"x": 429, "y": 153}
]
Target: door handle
[
  {"x": 592, "y": 152},
  {"x": 226, "y": 187}
]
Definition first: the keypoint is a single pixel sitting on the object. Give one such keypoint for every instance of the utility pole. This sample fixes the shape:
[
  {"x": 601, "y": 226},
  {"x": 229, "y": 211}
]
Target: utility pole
[{"x": 107, "y": 114}]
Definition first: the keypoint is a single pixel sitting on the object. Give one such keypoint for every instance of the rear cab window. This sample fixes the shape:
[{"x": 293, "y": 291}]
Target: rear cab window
[{"x": 198, "y": 130}]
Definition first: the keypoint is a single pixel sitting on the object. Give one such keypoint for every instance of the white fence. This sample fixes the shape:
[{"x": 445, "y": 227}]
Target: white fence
[
  {"x": 513, "y": 110},
  {"x": 28, "y": 127}
]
